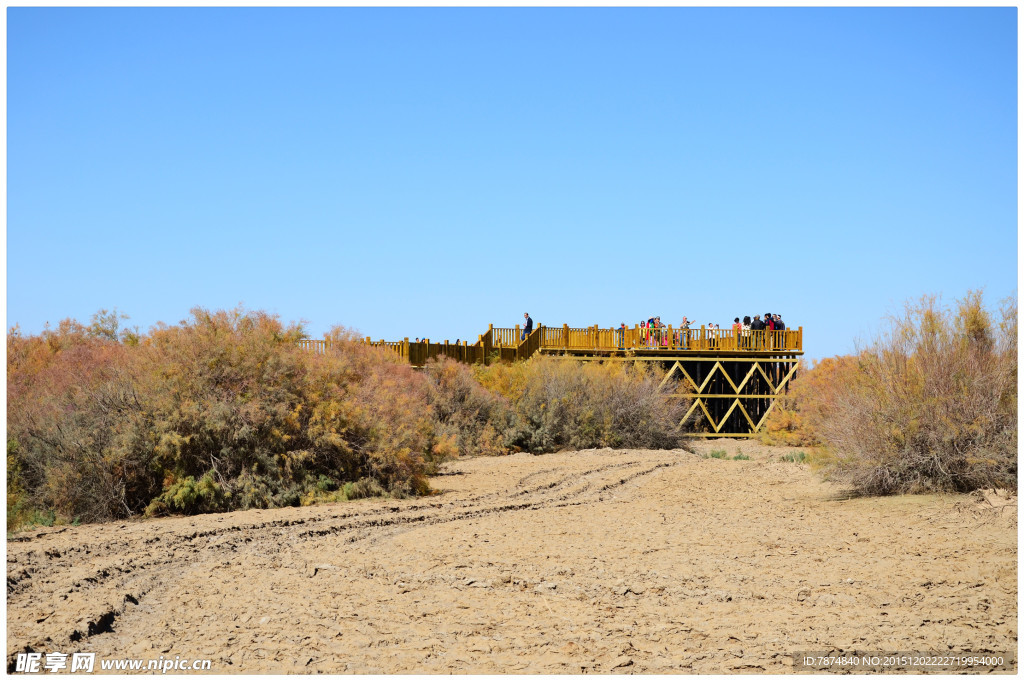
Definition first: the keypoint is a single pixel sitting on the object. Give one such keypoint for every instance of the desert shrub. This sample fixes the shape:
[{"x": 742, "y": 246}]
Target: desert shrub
[
  {"x": 469, "y": 419},
  {"x": 18, "y": 510},
  {"x": 363, "y": 489},
  {"x": 190, "y": 496},
  {"x": 74, "y": 410},
  {"x": 220, "y": 411},
  {"x": 786, "y": 425},
  {"x": 931, "y": 404},
  {"x": 244, "y": 401},
  {"x": 791, "y": 423},
  {"x": 324, "y": 484},
  {"x": 562, "y": 404},
  {"x": 250, "y": 491},
  {"x": 740, "y": 456},
  {"x": 718, "y": 454},
  {"x": 795, "y": 457},
  {"x": 508, "y": 380}
]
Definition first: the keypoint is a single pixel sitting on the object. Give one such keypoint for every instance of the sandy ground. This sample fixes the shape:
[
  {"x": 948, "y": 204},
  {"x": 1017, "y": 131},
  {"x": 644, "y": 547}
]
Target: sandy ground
[{"x": 580, "y": 562}]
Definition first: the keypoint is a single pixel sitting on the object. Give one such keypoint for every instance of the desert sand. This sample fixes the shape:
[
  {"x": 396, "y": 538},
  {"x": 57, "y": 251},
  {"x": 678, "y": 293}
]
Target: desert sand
[{"x": 580, "y": 562}]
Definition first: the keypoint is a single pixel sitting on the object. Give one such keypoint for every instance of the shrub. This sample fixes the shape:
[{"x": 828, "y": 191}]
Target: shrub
[
  {"x": 718, "y": 454},
  {"x": 74, "y": 410},
  {"x": 786, "y": 425},
  {"x": 220, "y": 411},
  {"x": 190, "y": 496},
  {"x": 563, "y": 404},
  {"x": 930, "y": 405},
  {"x": 363, "y": 489},
  {"x": 469, "y": 419},
  {"x": 16, "y": 505}
]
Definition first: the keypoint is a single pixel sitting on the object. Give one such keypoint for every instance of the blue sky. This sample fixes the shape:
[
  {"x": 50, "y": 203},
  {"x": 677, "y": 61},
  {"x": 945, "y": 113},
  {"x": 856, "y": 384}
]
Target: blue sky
[{"x": 425, "y": 172}]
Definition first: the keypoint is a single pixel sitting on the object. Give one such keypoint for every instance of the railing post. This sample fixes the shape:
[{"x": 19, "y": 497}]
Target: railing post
[
  {"x": 703, "y": 338},
  {"x": 565, "y": 336},
  {"x": 405, "y": 350}
]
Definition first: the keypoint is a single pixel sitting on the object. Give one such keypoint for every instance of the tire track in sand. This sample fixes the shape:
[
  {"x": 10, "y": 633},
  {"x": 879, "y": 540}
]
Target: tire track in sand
[{"x": 68, "y": 585}]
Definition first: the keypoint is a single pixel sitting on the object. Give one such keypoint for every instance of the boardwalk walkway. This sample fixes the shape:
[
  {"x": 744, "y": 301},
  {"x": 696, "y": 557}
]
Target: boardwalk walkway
[{"x": 504, "y": 344}]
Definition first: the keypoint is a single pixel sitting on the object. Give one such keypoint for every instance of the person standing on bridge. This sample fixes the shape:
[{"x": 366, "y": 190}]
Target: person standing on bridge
[
  {"x": 758, "y": 327},
  {"x": 528, "y": 328},
  {"x": 684, "y": 333}
]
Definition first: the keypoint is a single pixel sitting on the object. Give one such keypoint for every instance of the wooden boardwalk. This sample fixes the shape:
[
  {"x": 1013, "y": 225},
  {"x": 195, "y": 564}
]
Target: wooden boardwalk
[
  {"x": 731, "y": 379},
  {"x": 503, "y": 344}
]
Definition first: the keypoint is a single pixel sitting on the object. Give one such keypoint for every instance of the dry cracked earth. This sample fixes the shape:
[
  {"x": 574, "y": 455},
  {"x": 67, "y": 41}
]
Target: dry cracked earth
[{"x": 581, "y": 562}]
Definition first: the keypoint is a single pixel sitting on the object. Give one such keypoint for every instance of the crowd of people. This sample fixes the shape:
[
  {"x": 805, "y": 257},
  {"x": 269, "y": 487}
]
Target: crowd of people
[{"x": 655, "y": 333}]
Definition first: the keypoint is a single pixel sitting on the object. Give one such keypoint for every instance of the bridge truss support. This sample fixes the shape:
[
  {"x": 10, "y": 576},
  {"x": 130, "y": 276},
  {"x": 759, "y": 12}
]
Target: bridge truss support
[{"x": 729, "y": 394}]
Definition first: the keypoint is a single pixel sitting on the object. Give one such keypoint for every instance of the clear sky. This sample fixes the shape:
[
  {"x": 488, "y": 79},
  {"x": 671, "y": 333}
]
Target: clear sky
[{"x": 425, "y": 172}]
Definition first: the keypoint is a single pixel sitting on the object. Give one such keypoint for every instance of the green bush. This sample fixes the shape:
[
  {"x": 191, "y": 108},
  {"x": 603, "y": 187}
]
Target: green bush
[{"x": 190, "y": 496}]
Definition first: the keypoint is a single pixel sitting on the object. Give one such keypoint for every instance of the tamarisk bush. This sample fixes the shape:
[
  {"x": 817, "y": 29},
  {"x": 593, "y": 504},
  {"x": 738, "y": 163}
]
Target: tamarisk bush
[
  {"x": 931, "y": 404},
  {"x": 221, "y": 411},
  {"x": 565, "y": 404},
  {"x": 470, "y": 420}
]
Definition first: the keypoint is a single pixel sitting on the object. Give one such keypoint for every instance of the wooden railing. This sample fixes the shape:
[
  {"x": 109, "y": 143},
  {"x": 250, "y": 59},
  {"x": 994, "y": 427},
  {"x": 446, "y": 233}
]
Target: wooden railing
[
  {"x": 505, "y": 344},
  {"x": 318, "y": 347},
  {"x": 668, "y": 338}
]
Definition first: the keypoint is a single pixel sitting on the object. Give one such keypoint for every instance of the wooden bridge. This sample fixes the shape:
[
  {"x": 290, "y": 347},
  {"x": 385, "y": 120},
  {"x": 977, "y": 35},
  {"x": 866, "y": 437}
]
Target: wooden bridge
[{"x": 731, "y": 378}]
